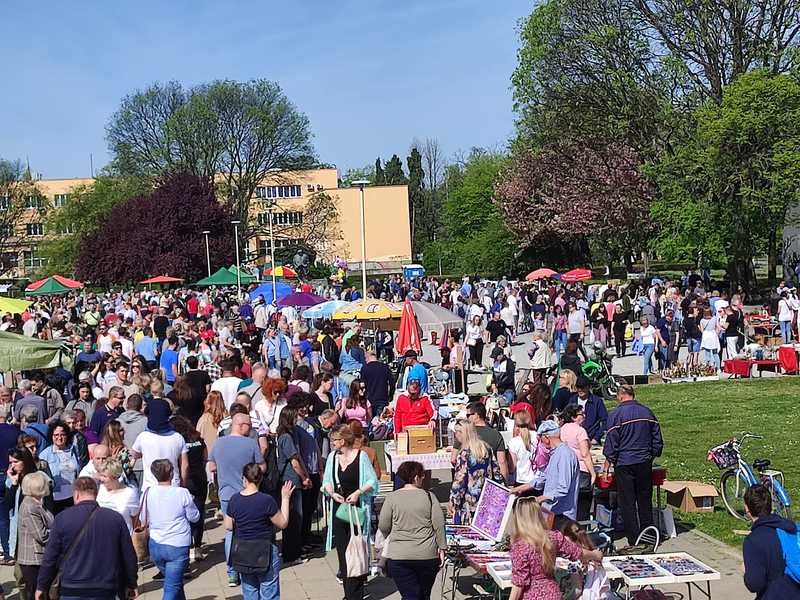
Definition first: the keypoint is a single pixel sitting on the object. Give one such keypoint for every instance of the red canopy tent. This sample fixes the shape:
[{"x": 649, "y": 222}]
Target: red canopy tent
[
  {"x": 163, "y": 279},
  {"x": 576, "y": 275},
  {"x": 408, "y": 336},
  {"x": 543, "y": 273},
  {"x": 65, "y": 281}
]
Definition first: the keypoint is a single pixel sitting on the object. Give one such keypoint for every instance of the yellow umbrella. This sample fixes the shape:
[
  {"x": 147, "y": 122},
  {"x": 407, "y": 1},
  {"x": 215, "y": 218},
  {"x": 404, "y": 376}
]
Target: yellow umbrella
[
  {"x": 13, "y": 305},
  {"x": 368, "y": 310}
]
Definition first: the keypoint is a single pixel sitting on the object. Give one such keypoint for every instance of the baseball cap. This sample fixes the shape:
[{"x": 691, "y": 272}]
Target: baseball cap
[{"x": 548, "y": 428}]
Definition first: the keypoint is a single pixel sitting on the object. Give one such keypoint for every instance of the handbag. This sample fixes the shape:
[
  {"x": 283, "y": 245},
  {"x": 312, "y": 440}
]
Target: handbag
[
  {"x": 250, "y": 556},
  {"x": 55, "y": 587},
  {"x": 140, "y": 531},
  {"x": 355, "y": 554}
]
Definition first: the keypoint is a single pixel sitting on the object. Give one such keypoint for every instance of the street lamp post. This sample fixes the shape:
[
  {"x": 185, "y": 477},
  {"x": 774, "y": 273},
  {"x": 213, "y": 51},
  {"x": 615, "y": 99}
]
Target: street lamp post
[
  {"x": 361, "y": 183},
  {"x": 208, "y": 252},
  {"x": 272, "y": 255},
  {"x": 238, "y": 265}
]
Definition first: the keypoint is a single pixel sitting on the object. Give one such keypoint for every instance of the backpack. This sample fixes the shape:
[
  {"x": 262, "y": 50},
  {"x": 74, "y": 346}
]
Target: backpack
[
  {"x": 271, "y": 482},
  {"x": 790, "y": 545}
]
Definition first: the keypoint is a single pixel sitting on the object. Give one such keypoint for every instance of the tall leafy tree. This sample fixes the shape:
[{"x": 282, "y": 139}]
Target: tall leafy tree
[
  {"x": 159, "y": 233},
  {"x": 80, "y": 218},
  {"x": 393, "y": 171},
  {"x": 380, "y": 178},
  {"x": 416, "y": 194},
  {"x": 726, "y": 193},
  {"x": 239, "y": 132}
]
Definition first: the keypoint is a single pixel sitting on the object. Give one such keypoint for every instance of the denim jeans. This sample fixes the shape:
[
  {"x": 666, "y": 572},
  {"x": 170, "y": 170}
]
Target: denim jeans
[
  {"x": 5, "y": 517},
  {"x": 172, "y": 561},
  {"x": 648, "y": 354},
  {"x": 265, "y": 585},
  {"x": 711, "y": 357},
  {"x": 559, "y": 342},
  {"x": 786, "y": 331},
  {"x": 223, "y": 507}
]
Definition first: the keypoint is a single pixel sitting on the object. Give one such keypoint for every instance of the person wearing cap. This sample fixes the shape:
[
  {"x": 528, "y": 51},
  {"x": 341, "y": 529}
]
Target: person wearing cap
[
  {"x": 415, "y": 370},
  {"x": 632, "y": 442},
  {"x": 594, "y": 410},
  {"x": 560, "y": 495},
  {"x": 160, "y": 440}
]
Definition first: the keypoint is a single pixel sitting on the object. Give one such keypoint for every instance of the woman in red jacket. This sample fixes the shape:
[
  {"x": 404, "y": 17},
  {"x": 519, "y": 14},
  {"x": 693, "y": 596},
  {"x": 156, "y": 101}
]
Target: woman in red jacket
[{"x": 413, "y": 408}]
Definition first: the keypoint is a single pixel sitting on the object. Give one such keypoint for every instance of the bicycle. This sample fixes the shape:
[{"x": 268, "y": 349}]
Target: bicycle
[{"x": 737, "y": 475}]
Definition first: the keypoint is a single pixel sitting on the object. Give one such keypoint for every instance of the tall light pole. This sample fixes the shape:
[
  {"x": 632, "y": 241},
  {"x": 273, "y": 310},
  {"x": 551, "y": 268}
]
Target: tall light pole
[
  {"x": 238, "y": 267},
  {"x": 272, "y": 254},
  {"x": 208, "y": 252},
  {"x": 361, "y": 183}
]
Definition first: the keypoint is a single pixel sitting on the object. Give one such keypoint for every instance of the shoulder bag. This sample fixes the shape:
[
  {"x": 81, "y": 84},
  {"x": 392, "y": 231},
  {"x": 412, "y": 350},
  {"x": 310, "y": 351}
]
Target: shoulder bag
[
  {"x": 250, "y": 556},
  {"x": 355, "y": 555},
  {"x": 346, "y": 512},
  {"x": 140, "y": 530},
  {"x": 55, "y": 587}
]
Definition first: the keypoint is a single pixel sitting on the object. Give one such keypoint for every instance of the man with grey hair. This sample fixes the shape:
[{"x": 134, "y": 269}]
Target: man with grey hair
[
  {"x": 28, "y": 398},
  {"x": 253, "y": 385}
]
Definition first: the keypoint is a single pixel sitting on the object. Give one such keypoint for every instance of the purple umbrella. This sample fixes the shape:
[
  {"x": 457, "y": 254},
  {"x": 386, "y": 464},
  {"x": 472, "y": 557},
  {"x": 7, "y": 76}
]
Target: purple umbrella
[{"x": 301, "y": 299}]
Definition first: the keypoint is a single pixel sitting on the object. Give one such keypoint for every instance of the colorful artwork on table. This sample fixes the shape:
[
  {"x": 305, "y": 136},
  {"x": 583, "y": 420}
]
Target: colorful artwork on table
[
  {"x": 636, "y": 568},
  {"x": 681, "y": 565},
  {"x": 493, "y": 510}
]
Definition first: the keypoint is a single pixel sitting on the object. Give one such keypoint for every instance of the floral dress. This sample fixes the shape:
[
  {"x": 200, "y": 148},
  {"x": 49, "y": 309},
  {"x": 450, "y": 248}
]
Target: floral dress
[
  {"x": 468, "y": 480},
  {"x": 527, "y": 572}
]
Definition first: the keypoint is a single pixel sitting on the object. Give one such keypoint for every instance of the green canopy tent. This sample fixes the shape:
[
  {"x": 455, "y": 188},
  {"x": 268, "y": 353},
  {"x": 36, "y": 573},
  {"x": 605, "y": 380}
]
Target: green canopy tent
[
  {"x": 50, "y": 288},
  {"x": 245, "y": 277},
  {"x": 19, "y": 353},
  {"x": 222, "y": 277}
]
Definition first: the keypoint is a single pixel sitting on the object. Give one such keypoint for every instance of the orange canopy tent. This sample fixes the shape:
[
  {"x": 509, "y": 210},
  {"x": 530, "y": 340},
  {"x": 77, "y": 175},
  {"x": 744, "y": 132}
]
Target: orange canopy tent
[
  {"x": 65, "y": 281},
  {"x": 163, "y": 279}
]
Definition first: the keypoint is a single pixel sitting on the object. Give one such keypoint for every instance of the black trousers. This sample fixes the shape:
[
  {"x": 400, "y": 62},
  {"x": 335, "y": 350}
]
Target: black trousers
[
  {"x": 30, "y": 573},
  {"x": 353, "y": 586},
  {"x": 310, "y": 499},
  {"x": 199, "y": 528},
  {"x": 635, "y": 497},
  {"x": 414, "y": 578},
  {"x": 476, "y": 353},
  {"x": 619, "y": 341},
  {"x": 585, "y": 492},
  {"x": 292, "y": 547}
]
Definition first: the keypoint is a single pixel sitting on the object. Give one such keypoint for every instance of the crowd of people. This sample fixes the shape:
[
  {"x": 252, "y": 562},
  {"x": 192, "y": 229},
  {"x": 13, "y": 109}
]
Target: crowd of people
[{"x": 185, "y": 400}]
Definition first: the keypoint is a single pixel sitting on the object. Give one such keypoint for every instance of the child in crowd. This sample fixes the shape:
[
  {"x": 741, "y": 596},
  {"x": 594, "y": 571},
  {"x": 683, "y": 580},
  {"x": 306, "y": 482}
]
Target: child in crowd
[{"x": 589, "y": 582}]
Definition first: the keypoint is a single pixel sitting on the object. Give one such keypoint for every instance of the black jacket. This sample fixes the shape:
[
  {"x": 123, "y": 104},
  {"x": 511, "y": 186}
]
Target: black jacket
[
  {"x": 763, "y": 561},
  {"x": 103, "y": 562}
]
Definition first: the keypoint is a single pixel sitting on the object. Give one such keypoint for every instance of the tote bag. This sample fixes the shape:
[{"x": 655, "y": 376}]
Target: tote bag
[
  {"x": 355, "y": 555},
  {"x": 140, "y": 536}
]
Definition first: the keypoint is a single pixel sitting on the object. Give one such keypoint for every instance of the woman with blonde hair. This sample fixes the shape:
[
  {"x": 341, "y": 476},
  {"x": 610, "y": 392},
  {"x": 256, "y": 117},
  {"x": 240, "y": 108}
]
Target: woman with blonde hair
[
  {"x": 521, "y": 450},
  {"x": 566, "y": 392},
  {"x": 208, "y": 423},
  {"x": 114, "y": 494},
  {"x": 114, "y": 437},
  {"x": 475, "y": 463},
  {"x": 33, "y": 528},
  {"x": 534, "y": 549}
]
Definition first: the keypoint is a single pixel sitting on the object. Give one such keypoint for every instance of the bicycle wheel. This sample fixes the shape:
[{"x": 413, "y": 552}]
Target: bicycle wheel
[
  {"x": 779, "y": 508},
  {"x": 610, "y": 386},
  {"x": 733, "y": 485}
]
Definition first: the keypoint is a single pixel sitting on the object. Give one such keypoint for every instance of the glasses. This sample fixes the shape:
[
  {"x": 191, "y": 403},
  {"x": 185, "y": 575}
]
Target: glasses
[{"x": 59, "y": 435}]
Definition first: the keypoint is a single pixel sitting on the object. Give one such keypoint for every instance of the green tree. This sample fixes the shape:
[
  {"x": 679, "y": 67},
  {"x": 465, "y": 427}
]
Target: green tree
[
  {"x": 393, "y": 171},
  {"x": 415, "y": 194},
  {"x": 726, "y": 193},
  {"x": 380, "y": 178},
  {"x": 80, "y": 218}
]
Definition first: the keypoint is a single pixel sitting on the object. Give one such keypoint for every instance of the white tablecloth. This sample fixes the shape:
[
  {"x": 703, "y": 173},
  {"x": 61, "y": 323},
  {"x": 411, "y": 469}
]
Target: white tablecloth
[{"x": 431, "y": 461}]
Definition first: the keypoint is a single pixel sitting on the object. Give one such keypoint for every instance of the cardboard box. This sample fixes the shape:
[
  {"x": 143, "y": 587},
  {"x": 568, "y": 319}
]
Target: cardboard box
[
  {"x": 401, "y": 443},
  {"x": 690, "y": 496},
  {"x": 420, "y": 439}
]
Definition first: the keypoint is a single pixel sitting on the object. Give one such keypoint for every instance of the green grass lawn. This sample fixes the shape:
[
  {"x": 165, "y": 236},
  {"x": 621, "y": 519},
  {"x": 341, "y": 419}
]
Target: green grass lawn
[{"x": 697, "y": 416}]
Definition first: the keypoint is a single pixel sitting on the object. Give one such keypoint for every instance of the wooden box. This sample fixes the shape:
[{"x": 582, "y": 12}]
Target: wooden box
[{"x": 420, "y": 439}]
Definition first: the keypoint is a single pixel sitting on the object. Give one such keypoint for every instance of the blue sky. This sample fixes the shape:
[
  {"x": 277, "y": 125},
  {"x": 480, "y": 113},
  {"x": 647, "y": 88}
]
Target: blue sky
[{"x": 371, "y": 75}]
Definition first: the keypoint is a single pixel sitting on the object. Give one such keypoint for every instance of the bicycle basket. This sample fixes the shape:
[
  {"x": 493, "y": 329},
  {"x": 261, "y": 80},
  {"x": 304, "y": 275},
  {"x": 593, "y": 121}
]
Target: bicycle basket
[{"x": 723, "y": 456}]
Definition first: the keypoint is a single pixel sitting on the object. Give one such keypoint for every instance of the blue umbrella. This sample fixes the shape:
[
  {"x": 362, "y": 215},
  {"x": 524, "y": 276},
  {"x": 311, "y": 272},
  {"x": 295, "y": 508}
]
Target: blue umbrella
[
  {"x": 265, "y": 289},
  {"x": 324, "y": 310}
]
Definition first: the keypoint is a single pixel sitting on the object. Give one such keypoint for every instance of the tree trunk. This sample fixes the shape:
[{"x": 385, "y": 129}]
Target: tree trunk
[{"x": 772, "y": 258}]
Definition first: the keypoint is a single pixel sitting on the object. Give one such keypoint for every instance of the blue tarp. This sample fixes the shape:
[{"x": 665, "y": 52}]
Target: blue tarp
[{"x": 265, "y": 289}]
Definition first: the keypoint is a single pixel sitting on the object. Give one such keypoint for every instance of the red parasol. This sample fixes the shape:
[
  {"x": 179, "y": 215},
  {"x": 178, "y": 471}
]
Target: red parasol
[
  {"x": 408, "y": 336},
  {"x": 576, "y": 275},
  {"x": 65, "y": 281},
  {"x": 543, "y": 273},
  {"x": 163, "y": 279}
]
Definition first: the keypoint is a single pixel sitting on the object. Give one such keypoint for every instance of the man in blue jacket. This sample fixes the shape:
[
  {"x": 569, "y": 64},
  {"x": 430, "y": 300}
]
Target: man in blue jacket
[
  {"x": 101, "y": 565},
  {"x": 632, "y": 442},
  {"x": 763, "y": 557},
  {"x": 594, "y": 410}
]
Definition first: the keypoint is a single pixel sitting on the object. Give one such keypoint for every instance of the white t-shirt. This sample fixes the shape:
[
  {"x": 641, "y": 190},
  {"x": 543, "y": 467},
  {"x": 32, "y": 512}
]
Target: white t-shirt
[
  {"x": 104, "y": 343},
  {"x": 512, "y": 304},
  {"x": 125, "y": 501},
  {"x": 784, "y": 310},
  {"x": 475, "y": 310},
  {"x": 153, "y": 446},
  {"x": 269, "y": 414},
  {"x": 228, "y": 387},
  {"x": 648, "y": 335},
  {"x": 522, "y": 458},
  {"x": 473, "y": 334}
]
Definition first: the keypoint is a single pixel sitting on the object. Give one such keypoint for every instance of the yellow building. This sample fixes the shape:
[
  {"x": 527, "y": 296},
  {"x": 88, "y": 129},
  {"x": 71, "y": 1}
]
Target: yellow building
[{"x": 291, "y": 197}]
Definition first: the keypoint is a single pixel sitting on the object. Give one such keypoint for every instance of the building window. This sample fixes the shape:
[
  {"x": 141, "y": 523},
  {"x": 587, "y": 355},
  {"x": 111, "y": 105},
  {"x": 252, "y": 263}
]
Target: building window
[
  {"x": 34, "y": 229},
  {"x": 60, "y": 200},
  {"x": 5, "y": 202},
  {"x": 6, "y": 230},
  {"x": 279, "y": 191},
  {"x": 281, "y": 218},
  {"x": 263, "y": 244},
  {"x": 65, "y": 229},
  {"x": 8, "y": 260},
  {"x": 33, "y": 202},
  {"x": 32, "y": 260}
]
